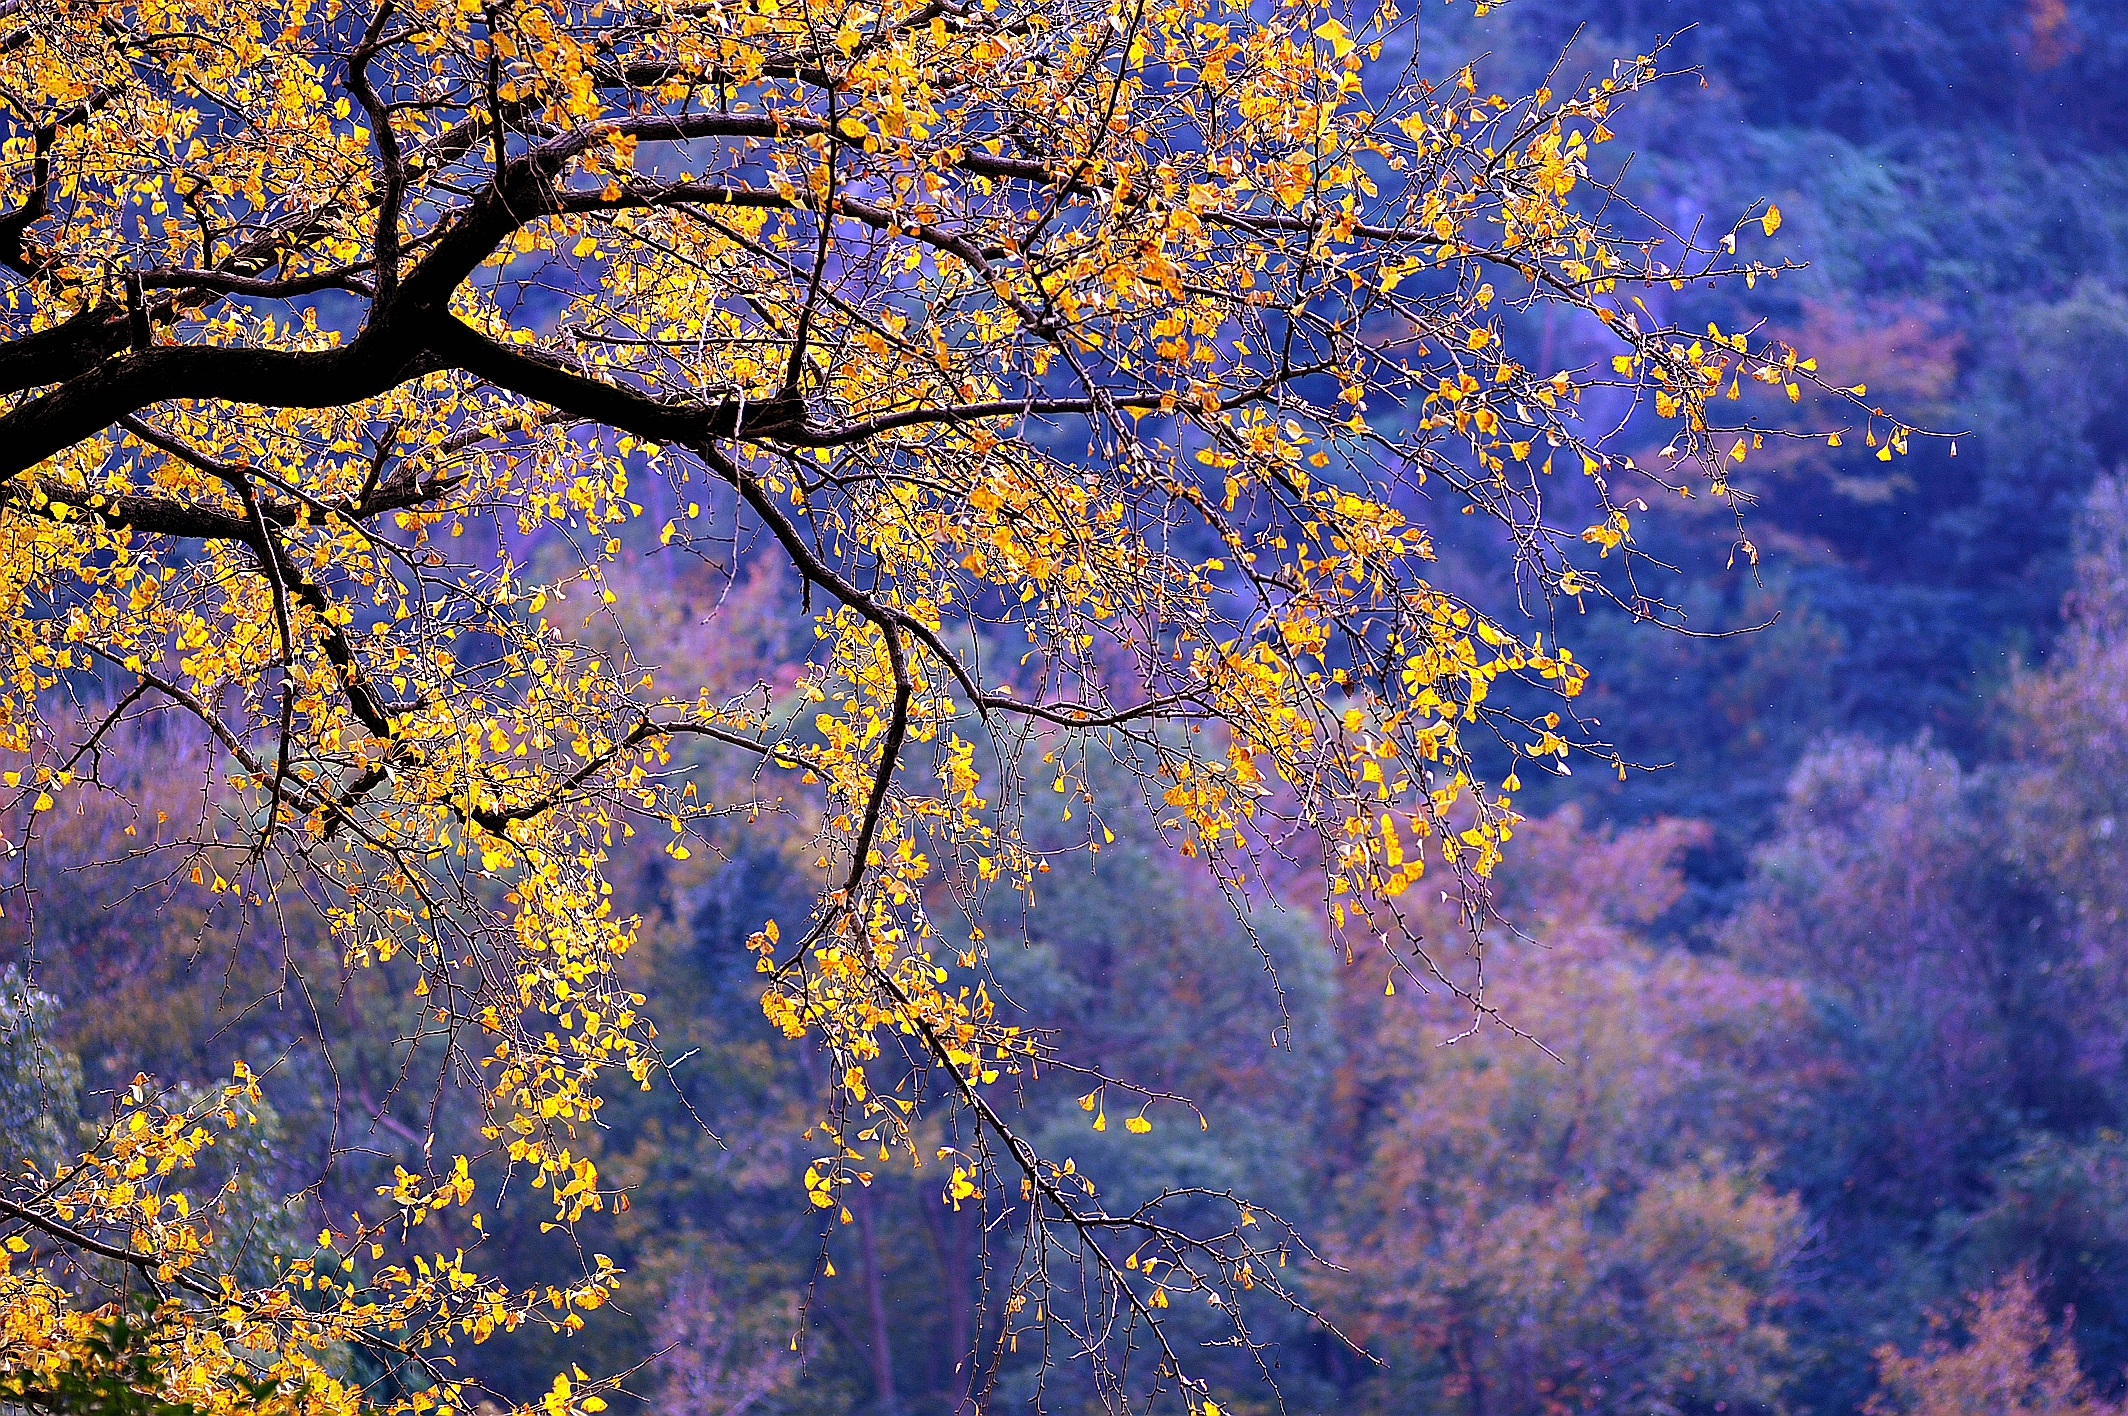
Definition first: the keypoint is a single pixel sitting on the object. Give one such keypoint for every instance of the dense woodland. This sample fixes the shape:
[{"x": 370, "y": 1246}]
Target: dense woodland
[{"x": 1823, "y": 1012}]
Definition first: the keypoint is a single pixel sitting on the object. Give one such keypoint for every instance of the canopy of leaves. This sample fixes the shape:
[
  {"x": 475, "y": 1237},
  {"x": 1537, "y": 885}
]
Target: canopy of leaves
[{"x": 1092, "y": 372}]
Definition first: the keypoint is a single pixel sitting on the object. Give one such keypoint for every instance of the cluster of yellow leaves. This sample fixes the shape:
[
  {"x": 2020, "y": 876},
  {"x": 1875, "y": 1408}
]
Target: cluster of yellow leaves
[
  {"x": 124, "y": 1202},
  {"x": 214, "y": 1371}
]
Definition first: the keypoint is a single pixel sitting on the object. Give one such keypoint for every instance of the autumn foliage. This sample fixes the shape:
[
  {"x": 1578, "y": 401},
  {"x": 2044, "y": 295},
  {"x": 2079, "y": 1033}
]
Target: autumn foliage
[
  {"x": 1086, "y": 368},
  {"x": 2012, "y": 1360}
]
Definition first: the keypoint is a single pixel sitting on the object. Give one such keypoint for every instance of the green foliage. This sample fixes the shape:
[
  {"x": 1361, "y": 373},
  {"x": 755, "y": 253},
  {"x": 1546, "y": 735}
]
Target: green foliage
[
  {"x": 115, "y": 1370},
  {"x": 2059, "y": 1208},
  {"x": 40, "y": 1085}
]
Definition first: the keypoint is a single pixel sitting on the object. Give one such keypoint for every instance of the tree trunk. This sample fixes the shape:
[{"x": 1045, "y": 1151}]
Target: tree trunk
[
  {"x": 952, "y": 1241},
  {"x": 875, "y": 1293}
]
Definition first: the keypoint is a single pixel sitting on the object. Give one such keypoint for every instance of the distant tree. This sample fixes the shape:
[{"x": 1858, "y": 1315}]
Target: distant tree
[
  {"x": 1084, "y": 366},
  {"x": 2012, "y": 1363},
  {"x": 2069, "y": 722},
  {"x": 40, "y": 1083},
  {"x": 1590, "y": 1230},
  {"x": 711, "y": 1363}
]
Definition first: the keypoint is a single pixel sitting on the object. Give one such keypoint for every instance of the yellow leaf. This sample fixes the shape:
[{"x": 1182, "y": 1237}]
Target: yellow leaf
[
  {"x": 1771, "y": 221},
  {"x": 1335, "y": 35}
]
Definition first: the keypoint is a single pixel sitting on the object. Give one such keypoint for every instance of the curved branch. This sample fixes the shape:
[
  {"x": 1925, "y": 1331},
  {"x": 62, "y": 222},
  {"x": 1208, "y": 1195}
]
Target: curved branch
[{"x": 90, "y": 402}]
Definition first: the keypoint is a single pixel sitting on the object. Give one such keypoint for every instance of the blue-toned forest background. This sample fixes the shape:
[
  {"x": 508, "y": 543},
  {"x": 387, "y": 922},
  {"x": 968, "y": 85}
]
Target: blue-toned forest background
[{"x": 1839, "y": 996}]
